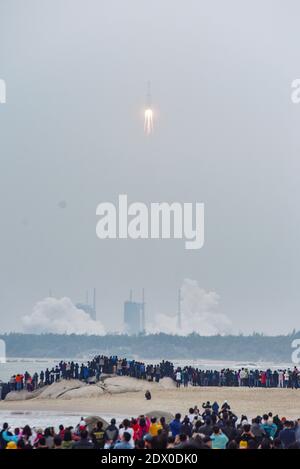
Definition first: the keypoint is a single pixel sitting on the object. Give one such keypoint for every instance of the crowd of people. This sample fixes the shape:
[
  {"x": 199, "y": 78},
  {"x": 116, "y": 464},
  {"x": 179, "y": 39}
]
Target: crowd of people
[
  {"x": 188, "y": 375},
  {"x": 210, "y": 427}
]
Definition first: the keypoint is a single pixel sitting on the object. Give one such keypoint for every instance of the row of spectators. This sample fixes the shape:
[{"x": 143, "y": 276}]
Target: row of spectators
[
  {"x": 188, "y": 375},
  {"x": 211, "y": 427}
]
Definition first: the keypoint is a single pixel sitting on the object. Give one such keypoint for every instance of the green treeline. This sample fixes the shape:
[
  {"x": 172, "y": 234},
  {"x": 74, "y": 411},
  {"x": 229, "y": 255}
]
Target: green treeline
[{"x": 256, "y": 347}]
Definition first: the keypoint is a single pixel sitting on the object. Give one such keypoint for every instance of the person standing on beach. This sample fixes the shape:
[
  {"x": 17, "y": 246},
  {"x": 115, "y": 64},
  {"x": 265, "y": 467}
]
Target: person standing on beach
[
  {"x": 286, "y": 378},
  {"x": 280, "y": 379},
  {"x": 178, "y": 378},
  {"x": 295, "y": 374},
  {"x": 185, "y": 378}
]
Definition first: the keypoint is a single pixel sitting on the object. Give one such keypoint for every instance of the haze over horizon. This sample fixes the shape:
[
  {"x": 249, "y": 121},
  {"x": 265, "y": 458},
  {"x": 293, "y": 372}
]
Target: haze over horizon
[{"x": 225, "y": 133}]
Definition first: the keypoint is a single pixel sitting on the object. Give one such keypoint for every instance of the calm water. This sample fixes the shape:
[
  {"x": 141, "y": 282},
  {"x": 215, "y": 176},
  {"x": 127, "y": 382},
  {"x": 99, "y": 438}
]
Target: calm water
[
  {"x": 43, "y": 419},
  {"x": 14, "y": 366}
]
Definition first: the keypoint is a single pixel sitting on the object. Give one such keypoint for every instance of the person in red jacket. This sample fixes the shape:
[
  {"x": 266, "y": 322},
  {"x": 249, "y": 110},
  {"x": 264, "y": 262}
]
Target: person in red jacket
[
  {"x": 135, "y": 427},
  {"x": 263, "y": 379}
]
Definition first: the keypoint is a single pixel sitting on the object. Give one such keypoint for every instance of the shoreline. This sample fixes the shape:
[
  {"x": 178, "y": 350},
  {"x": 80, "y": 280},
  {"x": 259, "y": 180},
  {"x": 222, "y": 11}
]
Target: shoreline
[{"x": 248, "y": 401}]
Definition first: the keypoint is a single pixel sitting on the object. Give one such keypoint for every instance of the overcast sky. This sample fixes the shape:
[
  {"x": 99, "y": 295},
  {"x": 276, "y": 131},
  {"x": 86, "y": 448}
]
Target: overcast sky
[{"x": 226, "y": 134}]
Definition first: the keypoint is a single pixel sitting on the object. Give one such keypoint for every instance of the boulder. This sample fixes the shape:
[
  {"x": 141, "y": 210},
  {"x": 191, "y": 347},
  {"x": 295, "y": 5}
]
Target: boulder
[
  {"x": 160, "y": 413},
  {"x": 69, "y": 389},
  {"x": 56, "y": 390},
  {"x": 167, "y": 383},
  {"x": 122, "y": 384},
  {"x": 92, "y": 420},
  {"x": 22, "y": 395},
  {"x": 85, "y": 392}
]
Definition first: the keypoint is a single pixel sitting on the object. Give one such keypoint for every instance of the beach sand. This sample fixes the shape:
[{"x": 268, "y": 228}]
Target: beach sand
[{"x": 251, "y": 402}]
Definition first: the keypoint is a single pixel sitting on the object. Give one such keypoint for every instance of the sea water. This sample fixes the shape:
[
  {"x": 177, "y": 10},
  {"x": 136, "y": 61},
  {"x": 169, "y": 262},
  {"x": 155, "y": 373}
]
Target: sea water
[{"x": 43, "y": 419}]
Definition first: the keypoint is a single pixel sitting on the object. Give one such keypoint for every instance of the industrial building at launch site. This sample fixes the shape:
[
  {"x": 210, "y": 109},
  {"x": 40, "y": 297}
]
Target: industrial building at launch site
[
  {"x": 88, "y": 308},
  {"x": 134, "y": 316}
]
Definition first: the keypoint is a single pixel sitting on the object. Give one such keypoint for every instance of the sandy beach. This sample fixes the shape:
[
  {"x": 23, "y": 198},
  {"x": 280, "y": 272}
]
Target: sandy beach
[{"x": 285, "y": 402}]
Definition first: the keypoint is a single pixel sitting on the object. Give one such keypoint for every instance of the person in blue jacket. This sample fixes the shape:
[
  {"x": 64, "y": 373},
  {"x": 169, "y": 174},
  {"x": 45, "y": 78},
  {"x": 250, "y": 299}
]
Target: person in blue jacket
[{"x": 175, "y": 425}]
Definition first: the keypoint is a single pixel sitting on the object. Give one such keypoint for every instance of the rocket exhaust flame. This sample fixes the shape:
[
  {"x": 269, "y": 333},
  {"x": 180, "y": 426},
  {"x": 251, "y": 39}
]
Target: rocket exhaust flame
[
  {"x": 148, "y": 123},
  {"x": 148, "y": 119}
]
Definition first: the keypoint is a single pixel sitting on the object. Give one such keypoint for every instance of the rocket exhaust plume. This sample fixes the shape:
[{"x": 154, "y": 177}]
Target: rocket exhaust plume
[
  {"x": 148, "y": 119},
  {"x": 148, "y": 124}
]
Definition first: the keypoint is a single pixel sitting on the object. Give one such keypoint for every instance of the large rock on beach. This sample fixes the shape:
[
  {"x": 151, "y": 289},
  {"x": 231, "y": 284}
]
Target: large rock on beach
[
  {"x": 75, "y": 389},
  {"x": 167, "y": 383},
  {"x": 22, "y": 395},
  {"x": 85, "y": 392},
  {"x": 92, "y": 420},
  {"x": 160, "y": 413},
  {"x": 57, "y": 390},
  {"x": 122, "y": 384}
]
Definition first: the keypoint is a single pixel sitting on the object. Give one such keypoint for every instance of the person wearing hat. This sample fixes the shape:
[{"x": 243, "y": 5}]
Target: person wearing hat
[
  {"x": 11, "y": 445},
  {"x": 225, "y": 406},
  {"x": 148, "y": 439},
  {"x": 246, "y": 435},
  {"x": 243, "y": 444}
]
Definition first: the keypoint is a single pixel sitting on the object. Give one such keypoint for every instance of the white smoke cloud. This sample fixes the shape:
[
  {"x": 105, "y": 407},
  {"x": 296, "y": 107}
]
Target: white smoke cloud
[
  {"x": 60, "y": 316},
  {"x": 197, "y": 314}
]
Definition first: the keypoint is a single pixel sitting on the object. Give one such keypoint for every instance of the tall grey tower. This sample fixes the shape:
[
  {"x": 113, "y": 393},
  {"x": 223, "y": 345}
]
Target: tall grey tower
[
  {"x": 87, "y": 307},
  {"x": 134, "y": 315}
]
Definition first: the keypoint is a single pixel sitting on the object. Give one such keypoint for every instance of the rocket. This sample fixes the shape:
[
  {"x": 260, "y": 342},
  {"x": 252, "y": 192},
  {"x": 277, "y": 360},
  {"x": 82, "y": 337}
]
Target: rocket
[{"x": 148, "y": 97}]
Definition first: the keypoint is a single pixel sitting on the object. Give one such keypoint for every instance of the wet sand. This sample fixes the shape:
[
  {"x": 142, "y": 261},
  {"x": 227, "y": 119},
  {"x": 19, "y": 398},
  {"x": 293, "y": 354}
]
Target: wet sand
[{"x": 251, "y": 402}]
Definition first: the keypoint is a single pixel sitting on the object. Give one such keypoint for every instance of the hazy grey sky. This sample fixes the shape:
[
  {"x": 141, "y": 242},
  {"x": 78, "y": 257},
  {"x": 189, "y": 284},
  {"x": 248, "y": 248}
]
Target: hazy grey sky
[{"x": 226, "y": 134}]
